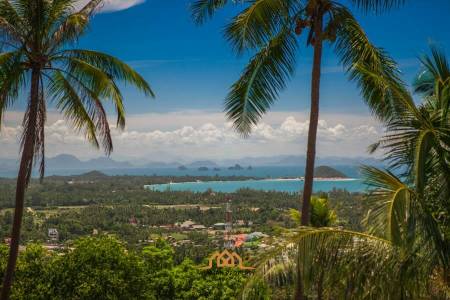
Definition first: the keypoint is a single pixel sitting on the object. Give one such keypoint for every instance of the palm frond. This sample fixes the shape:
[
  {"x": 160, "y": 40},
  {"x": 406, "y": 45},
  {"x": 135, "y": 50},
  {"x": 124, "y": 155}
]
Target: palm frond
[
  {"x": 261, "y": 81},
  {"x": 202, "y": 10},
  {"x": 74, "y": 25},
  {"x": 90, "y": 7},
  {"x": 370, "y": 67},
  {"x": 11, "y": 79},
  {"x": 345, "y": 263},
  {"x": 378, "y": 6},
  {"x": 68, "y": 101},
  {"x": 11, "y": 23},
  {"x": 258, "y": 24},
  {"x": 82, "y": 107},
  {"x": 112, "y": 66},
  {"x": 435, "y": 75},
  {"x": 391, "y": 201}
]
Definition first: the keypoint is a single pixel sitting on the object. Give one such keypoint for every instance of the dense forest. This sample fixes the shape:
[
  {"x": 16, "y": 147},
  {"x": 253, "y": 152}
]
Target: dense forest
[{"x": 79, "y": 206}]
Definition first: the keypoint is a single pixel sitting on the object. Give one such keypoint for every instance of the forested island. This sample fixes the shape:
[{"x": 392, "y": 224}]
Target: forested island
[{"x": 328, "y": 172}]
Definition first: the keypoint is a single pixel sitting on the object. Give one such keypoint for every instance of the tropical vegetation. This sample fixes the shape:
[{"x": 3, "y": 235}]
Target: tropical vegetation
[
  {"x": 406, "y": 250},
  {"x": 102, "y": 268},
  {"x": 36, "y": 39}
]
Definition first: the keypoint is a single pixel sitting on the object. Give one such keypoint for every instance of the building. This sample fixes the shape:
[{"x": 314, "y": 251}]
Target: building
[
  {"x": 133, "y": 221},
  {"x": 187, "y": 224},
  {"x": 219, "y": 226},
  {"x": 53, "y": 234},
  {"x": 240, "y": 223},
  {"x": 198, "y": 227}
]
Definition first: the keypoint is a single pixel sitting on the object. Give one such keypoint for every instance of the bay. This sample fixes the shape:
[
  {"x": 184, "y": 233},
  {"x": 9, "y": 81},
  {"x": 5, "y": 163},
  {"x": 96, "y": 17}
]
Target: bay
[{"x": 281, "y": 185}]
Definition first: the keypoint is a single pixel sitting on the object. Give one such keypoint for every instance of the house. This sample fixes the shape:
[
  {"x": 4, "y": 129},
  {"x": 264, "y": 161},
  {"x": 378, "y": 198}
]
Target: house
[
  {"x": 167, "y": 226},
  {"x": 187, "y": 224},
  {"x": 219, "y": 226},
  {"x": 133, "y": 221},
  {"x": 240, "y": 223},
  {"x": 53, "y": 234},
  {"x": 198, "y": 227}
]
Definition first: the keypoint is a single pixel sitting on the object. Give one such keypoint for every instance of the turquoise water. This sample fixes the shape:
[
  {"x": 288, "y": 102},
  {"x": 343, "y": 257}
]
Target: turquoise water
[{"x": 282, "y": 185}]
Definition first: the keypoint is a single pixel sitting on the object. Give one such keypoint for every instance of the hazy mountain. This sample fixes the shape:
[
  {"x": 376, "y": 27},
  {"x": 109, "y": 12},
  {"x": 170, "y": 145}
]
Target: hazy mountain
[
  {"x": 8, "y": 164},
  {"x": 161, "y": 165},
  {"x": 107, "y": 163},
  {"x": 63, "y": 161},
  {"x": 68, "y": 162},
  {"x": 202, "y": 163},
  {"x": 300, "y": 160}
]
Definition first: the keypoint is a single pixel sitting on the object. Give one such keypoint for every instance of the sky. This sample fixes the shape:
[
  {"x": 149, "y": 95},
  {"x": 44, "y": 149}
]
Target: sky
[{"x": 191, "y": 68}]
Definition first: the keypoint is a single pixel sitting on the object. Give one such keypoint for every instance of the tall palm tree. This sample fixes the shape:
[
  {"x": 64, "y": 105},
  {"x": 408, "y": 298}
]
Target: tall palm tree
[
  {"x": 406, "y": 252},
  {"x": 271, "y": 28},
  {"x": 36, "y": 36}
]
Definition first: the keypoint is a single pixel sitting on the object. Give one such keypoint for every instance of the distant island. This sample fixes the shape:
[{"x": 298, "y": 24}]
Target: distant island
[
  {"x": 328, "y": 172},
  {"x": 182, "y": 168},
  {"x": 203, "y": 169},
  {"x": 236, "y": 167},
  {"x": 216, "y": 169}
]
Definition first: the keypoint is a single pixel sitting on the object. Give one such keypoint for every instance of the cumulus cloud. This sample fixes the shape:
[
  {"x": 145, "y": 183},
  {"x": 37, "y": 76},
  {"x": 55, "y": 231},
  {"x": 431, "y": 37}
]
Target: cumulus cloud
[
  {"x": 112, "y": 5},
  {"x": 208, "y": 140}
]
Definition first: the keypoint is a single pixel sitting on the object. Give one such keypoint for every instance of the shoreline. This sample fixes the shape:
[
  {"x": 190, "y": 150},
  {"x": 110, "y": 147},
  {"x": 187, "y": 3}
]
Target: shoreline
[{"x": 318, "y": 179}]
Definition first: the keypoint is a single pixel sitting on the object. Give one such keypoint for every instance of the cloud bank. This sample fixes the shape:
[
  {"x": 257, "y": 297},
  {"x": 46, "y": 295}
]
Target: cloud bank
[{"x": 211, "y": 139}]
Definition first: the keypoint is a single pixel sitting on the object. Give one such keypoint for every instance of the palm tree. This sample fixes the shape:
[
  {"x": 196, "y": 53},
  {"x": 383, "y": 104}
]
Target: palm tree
[
  {"x": 271, "y": 28},
  {"x": 406, "y": 252},
  {"x": 36, "y": 36}
]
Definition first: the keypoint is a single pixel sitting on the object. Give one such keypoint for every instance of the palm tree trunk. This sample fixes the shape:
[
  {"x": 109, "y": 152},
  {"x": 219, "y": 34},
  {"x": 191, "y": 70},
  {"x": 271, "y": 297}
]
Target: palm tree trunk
[
  {"x": 312, "y": 135},
  {"x": 313, "y": 121},
  {"x": 23, "y": 177}
]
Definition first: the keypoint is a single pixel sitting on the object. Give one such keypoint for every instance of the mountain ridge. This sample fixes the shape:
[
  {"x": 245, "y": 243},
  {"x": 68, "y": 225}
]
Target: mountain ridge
[{"x": 69, "y": 162}]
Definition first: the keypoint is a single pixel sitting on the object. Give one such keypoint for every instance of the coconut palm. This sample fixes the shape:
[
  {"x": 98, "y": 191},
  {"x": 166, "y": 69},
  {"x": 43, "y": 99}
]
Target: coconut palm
[
  {"x": 36, "y": 39},
  {"x": 271, "y": 28},
  {"x": 406, "y": 252}
]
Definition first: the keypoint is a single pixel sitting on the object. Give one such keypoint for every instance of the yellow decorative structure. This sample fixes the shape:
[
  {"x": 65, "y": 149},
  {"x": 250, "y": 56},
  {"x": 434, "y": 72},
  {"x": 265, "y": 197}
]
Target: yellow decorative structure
[{"x": 226, "y": 259}]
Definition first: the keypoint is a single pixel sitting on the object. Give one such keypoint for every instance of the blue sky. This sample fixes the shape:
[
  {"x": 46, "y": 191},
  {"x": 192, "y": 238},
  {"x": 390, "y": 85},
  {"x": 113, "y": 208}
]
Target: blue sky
[{"x": 191, "y": 68}]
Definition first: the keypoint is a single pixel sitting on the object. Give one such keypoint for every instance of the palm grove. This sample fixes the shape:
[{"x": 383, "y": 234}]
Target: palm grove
[{"x": 405, "y": 251}]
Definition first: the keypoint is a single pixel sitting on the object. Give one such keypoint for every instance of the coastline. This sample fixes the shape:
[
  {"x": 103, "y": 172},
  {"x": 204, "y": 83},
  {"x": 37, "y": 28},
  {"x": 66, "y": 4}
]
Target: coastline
[{"x": 318, "y": 179}]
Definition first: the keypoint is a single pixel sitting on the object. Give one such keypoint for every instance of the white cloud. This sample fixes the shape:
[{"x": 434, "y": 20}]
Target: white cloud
[
  {"x": 211, "y": 139},
  {"x": 112, "y": 5}
]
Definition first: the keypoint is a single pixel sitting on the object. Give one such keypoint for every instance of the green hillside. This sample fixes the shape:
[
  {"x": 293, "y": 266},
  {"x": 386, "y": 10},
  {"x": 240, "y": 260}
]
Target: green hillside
[{"x": 328, "y": 172}]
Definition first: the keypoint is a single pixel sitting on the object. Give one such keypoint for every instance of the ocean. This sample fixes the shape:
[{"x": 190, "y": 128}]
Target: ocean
[
  {"x": 259, "y": 171},
  {"x": 271, "y": 181},
  {"x": 282, "y": 185}
]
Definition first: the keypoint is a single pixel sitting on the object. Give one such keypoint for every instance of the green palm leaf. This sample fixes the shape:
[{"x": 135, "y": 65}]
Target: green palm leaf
[
  {"x": 378, "y": 5},
  {"x": 259, "y": 23},
  {"x": 204, "y": 9},
  {"x": 259, "y": 85}
]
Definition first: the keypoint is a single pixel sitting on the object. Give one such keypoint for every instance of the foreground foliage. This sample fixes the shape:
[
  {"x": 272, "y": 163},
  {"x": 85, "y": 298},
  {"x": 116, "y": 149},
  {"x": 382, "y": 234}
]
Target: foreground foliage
[
  {"x": 406, "y": 252},
  {"x": 102, "y": 268}
]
